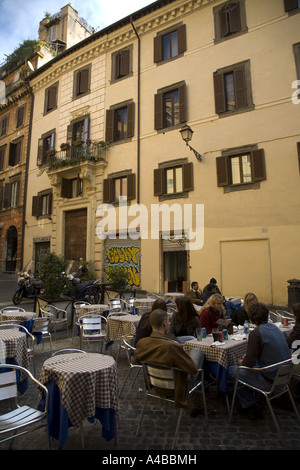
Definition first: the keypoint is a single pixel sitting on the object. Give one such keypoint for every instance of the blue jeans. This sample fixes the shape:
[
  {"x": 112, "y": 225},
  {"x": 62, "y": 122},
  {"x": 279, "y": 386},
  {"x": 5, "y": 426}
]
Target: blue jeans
[{"x": 246, "y": 395}]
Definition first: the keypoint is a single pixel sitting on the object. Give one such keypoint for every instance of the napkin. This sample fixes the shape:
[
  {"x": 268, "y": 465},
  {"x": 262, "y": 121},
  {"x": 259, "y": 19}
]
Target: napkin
[
  {"x": 217, "y": 343},
  {"x": 238, "y": 337}
]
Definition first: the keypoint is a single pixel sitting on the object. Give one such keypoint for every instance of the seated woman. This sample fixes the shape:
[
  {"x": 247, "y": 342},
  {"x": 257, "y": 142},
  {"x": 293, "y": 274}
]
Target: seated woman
[
  {"x": 144, "y": 328},
  {"x": 241, "y": 314},
  {"x": 295, "y": 336},
  {"x": 184, "y": 321},
  {"x": 211, "y": 312}
]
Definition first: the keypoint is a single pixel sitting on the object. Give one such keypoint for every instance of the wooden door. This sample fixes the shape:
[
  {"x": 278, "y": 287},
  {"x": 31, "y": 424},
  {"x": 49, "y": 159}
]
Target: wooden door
[{"x": 75, "y": 234}]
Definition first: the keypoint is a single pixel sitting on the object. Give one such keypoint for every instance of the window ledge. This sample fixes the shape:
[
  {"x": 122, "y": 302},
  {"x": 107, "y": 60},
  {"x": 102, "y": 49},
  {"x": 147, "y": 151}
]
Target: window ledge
[{"x": 241, "y": 187}]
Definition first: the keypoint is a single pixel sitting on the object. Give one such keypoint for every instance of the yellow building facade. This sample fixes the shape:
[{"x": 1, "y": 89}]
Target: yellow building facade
[{"x": 229, "y": 71}]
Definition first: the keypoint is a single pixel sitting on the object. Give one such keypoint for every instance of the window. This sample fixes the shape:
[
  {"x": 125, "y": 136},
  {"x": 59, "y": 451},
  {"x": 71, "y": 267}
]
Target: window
[
  {"x": 232, "y": 87},
  {"x": 46, "y": 148},
  {"x": 170, "y": 106},
  {"x": 120, "y": 122},
  {"x": 121, "y": 64},
  {"x": 173, "y": 178},
  {"x": 118, "y": 185},
  {"x": 230, "y": 19},
  {"x": 291, "y": 5},
  {"x": 42, "y": 204},
  {"x": 1, "y": 195},
  {"x": 4, "y": 125},
  {"x": 53, "y": 33},
  {"x": 14, "y": 153},
  {"x": 20, "y": 116},
  {"x": 82, "y": 79},
  {"x": 241, "y": 166},
  {"x": 11, "y": 194},
  {"x": 170, "y": 43},
  {"x": 50, "y": 98},
  {"x": 71, "y": 188}
]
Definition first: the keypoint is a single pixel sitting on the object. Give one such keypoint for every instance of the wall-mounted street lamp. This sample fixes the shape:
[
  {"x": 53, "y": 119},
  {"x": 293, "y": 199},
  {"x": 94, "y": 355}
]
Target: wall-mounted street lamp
[{"x": 187, "y": 134}]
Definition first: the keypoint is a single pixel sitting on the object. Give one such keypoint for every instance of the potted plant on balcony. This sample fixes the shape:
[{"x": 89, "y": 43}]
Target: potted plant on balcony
[
  {"x": 78, "y": 142},
  {"x": 65, "y": 146}
]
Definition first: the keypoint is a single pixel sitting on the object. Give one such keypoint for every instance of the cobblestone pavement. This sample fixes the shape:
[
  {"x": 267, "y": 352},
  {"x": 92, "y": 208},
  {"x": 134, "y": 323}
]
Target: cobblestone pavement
[{"x": 159, "y": 422}]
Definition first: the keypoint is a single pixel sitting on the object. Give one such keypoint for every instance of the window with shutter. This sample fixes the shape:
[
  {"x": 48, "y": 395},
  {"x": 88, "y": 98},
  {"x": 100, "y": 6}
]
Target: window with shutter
[
  {"x": 230, "y": 20},
  {"x": 20, "y": 116},
  {"x": 2, "y": 156},
  {"x": 232, "y": 89},
  {"x": 4, "y": 125},
  {"x": 121, "y": 184},
  {"x": 170, "y": 44},
  {"x": 120, "y": 122},
  {"x": 173, "y": 179},
  {"x": 14, "y": 153},
  {"x": 82, "y": 79},
  {"x": 46, "y": 148},
  {"x": 240, "y": 168},
  {"x": 121, "y": 64},
  {"x": 170, "y": 106},
  {"x": 51, "y": 98}
]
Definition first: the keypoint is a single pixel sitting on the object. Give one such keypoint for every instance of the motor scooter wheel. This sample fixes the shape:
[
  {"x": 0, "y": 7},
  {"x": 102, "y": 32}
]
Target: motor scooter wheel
[
  {"x": 18, "y": 296},
  {"x": 94, "y": 295}
]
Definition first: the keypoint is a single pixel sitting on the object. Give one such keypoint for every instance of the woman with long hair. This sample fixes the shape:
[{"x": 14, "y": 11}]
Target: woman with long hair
[
  {"x": 241, "y": 314},
  {"x": 144, "y": 328},
  {"x": 184, "y": 321},
  {"x": 211, "y": 312}
]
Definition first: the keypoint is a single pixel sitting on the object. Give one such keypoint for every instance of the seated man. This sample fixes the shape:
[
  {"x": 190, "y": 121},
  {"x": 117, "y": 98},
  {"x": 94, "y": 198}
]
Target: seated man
[
  {"x": 159, "y": 348},
  {"x": 266, "y": 346},
  {"x": 194, "y": 293},
  {"x": 212, "y": 281}
]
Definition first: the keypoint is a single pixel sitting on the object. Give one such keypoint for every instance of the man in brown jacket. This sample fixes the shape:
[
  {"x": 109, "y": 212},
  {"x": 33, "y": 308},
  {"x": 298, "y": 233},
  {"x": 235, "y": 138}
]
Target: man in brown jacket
[{"x": 160, "y": 349}]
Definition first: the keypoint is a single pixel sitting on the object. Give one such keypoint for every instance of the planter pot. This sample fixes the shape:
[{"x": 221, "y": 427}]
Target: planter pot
[{"x": 65, "y": 303}]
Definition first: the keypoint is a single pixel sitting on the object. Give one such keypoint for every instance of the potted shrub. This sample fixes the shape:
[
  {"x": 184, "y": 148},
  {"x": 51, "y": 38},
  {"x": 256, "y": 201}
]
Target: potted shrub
[
  {"x": 52, "y": 273},
  {"x": 118, "y": 279}
]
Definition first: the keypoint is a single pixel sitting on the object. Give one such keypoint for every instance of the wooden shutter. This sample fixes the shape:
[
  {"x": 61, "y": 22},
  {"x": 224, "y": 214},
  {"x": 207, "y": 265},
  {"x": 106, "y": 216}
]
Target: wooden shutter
[
  {"x": 52, "y": 92},
  {"x": 158, "y": 111},
  {"x": 158, "y": 53},
  {"x": 69, "y": 139},
  {"x": 123, "y": 63},
  {"x": 131, "y": 184},
  {"x": 158, "y": 179},
  {"x": 130, "y": 120},
  {"x": 109, "y": 131},
  {"x": 66, "y": 188},
  {"x": 20, "y": 116},
  {"x": 258, "y": 165},
  {"x": 219, "y": 89},
  {"x": 83, "y": 81},
  {"x": 222, "y": 171},
  {"x": 181, "y": 34},
  {"x": 12, "y": 154},
  {"x": 290, "y": 5},
  {"x": 107, "y": 190},
  {"x": 35, "y": 206},
  {"x": 39, "y": 161},
  {"x": 240, "y": 88},
  {"x": 7, "y": 193},
  {"x": 182, "y": 103},
  {"x": 1, "y": 196},
  {"x": 234, "y": 17},
  {"x": 188, "y": 177},
  {"x": 298, "y": 150}
]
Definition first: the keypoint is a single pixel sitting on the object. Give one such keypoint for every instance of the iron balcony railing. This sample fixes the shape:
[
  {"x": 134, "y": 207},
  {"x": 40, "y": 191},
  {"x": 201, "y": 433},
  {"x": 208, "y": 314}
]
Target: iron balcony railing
[{"x": 74, "y": 154}]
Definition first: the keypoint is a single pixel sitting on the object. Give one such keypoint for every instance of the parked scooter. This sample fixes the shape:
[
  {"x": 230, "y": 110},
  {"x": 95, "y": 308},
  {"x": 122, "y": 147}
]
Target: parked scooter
[
  {"x": 28, "y": 288},
  {"x": 90, "y": 290}
]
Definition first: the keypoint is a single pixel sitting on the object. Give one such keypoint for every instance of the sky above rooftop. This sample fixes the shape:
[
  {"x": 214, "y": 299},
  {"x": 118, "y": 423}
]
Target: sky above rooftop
[{"x": 19, "y": 19}]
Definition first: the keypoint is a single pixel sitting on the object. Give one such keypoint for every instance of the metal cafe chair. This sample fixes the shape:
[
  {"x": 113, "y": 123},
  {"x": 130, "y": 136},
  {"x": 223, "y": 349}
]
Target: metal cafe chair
[
  {"x": 160, "y": 384},
  {"x": 21, "y": 419},
  {"x": 288, "y": 315},
  {"x": 278, "y": 387},
  {"x": 12, "y": 309},
  {"x": 41, "y": 329},
  {"x": 77, "y": 313},
  {"x": 116, "y": 305},
  {"x": 127, "y": 343},
  {"x": 92, "y": 328},
  {"x": 67, "y": 351},
  {"x": 29, "y": 338},
  {"x": 59, "y": 316}
]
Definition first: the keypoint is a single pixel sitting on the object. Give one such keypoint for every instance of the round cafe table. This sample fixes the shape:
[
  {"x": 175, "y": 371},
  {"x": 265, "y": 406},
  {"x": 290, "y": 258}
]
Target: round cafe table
[
  {"x": 14, "y": 348},
  {"x": 25, "y": 318},
  {"x": 81, "y": 385}
]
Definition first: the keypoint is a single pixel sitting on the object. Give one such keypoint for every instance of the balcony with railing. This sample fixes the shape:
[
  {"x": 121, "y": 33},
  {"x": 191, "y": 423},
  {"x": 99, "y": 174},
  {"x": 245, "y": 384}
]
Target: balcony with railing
[{"x": 75, "y": 154}]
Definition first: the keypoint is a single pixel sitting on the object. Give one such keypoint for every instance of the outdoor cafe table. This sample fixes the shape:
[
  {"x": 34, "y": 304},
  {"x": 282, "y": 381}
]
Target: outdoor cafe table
[
  {"x": 25, "y": 318},
  {"x": 81, "y": 385},
  {"x": 220, "y": 356},
  {"x": 15, "y": 344},
  {"x": 143, "y": 304},
  {"x": 95, "y": 308},
  {"x": 120, "y": 325},
  {"x": 171, "y": 296}
]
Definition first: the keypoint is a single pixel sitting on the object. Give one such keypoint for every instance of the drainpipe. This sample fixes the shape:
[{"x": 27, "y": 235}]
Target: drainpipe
[
  {"x": 26, "y": 173},
  {"x": 138, "y": 111}
]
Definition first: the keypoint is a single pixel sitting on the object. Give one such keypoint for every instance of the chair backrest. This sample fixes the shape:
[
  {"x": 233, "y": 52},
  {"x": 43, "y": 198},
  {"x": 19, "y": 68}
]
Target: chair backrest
[
  {"x": 116, "y": 304},
  {"x": 284, "y": 372},
  {"x": 92, "y": 322},
  {"x": 12, "y": 309},
  {"x": 128, "y": 343},
  {"x": 67, "y": 351},
  {"x": 41, "y": 325},
  {"x": 57, "y": 312},
  {"x": 8, "y": 385},
  {"x": 78, "y": 305},
  {"x": 284, "y": 313},
  {"x": 159, "y": 376},
  {"x": 274, "y": 317},
  {"x": 116, "y": 314},
  {"x": 45, "y": 311}
]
